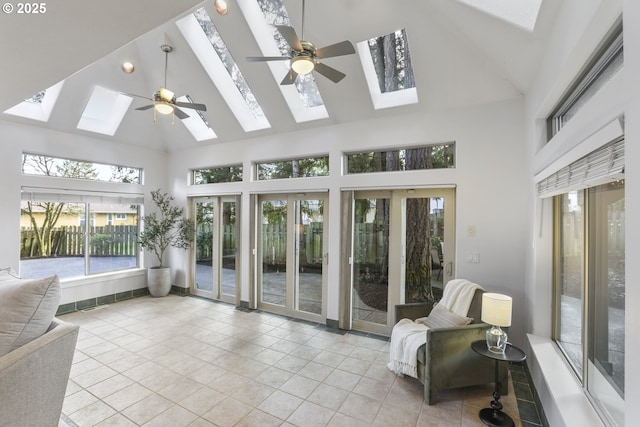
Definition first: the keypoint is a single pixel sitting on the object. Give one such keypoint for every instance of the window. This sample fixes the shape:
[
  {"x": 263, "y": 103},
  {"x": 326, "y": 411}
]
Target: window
[
  {"x": 217, "y": 175},
  {"x": 589, "y": 277},
  {"x": 418, "y": 158},
  {"x": 74, "y": 235},
  {"x": 296, "y": 168},
  {"x": 35, "y": 164},
  {"x": 608, "y": 60},
  {"x": 386, "y": 63}
]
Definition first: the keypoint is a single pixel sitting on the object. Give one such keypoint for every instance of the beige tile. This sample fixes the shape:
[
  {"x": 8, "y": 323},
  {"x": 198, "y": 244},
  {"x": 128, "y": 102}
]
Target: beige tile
[
  {"x": 201, "y": 422},
  {"x": 110, "y": 385},
  {"x": 159, "y": 380},
  {"x": 316, "y": 371},
  {"x": 309, "y": 414},
  {"x": 342, "y": 420},
  {"x": 94, "y": 376},
  {"x": 202, "y": 400},
  {"x": 77, "y": 400},
  {"x": 394, "y": 415},
  {"x": 177, "y": 390},
  {"x": 280, "y": 404},
  {"x": 147, "y": 408},
  {"x": 116, "y": 420},
  {"x": 373, "y": 389},
  {"x": 228, "y": 412},
  {"x": 175, "y": 416},
  {"x": 259, "y": 418},
  {"x": 252, "y": 392},
  {"x": 274, "y": 377},
  {"x": 342, "y": 379},
  {"x": 92, "y": 414},
  {"x": 329, "y": 358},
  {"x": 360, "y": 407},
  {"x": 328, "y": 396},
  {"x": 127, "y": 396},
  {"x": 299, "y": 386}
]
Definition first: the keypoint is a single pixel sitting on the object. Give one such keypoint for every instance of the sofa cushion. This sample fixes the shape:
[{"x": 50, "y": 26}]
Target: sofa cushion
[
  {"x": 27, "y": 307},
  {"x": 440, "y": 317}
]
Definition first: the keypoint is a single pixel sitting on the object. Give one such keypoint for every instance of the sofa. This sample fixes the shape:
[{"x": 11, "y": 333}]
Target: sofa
[
  {"x": 447, "y": 360},
  {"x": 36, "y": 352}
]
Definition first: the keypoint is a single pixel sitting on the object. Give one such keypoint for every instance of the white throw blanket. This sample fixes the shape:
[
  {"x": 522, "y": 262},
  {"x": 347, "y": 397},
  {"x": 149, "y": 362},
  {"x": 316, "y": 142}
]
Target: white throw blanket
[{"x": 407, "y": 335}]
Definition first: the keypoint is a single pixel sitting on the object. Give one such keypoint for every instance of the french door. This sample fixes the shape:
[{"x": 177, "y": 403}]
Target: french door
[
  {"x": 402, "y": 250},
  {"x": 214, "y": 268},
  {"x": 291, "y": 255}
]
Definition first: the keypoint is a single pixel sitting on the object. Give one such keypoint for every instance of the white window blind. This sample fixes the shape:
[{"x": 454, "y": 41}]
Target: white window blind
[
  {"x": 603, "y": 165},
  {"x": 70, "y": 196}
]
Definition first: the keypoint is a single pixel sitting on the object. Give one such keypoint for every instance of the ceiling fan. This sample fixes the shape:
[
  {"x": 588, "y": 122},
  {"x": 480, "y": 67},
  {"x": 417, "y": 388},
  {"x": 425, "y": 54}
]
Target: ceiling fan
[
  {"x": 164, "y": 100},
  {"x": 304, "y": 57}
]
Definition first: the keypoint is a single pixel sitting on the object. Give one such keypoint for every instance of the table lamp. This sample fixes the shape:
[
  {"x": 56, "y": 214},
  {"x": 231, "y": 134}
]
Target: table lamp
[{"x": 496, "y": 311}]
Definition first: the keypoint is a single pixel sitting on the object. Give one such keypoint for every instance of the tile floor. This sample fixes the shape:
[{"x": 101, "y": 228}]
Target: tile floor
[{"x": 185, "y": 361}]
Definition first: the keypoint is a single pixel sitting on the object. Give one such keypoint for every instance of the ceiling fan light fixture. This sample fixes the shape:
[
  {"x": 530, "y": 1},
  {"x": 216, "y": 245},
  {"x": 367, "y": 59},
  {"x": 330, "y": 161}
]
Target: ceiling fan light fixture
[
  {"x": 221, "y": 7},
  {"x": 163, "y": 108},
  {"x": 302, "y": 64}
]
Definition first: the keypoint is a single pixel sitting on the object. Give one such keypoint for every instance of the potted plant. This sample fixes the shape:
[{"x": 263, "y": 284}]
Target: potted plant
[{"x": 163, "y": 228}]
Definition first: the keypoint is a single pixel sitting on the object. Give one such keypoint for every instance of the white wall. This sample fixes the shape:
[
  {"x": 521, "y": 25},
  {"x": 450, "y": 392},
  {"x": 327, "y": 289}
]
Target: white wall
[
  {"x": 18, "y": 138},
  {"x": 489, "y": 176}
]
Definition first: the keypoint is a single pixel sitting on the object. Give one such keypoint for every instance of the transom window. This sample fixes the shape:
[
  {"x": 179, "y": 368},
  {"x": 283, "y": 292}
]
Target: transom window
[
  {"x": 417, "y": 158},
  {"x": 295, "y": 168},
  {"x": 36, "y": 164}
]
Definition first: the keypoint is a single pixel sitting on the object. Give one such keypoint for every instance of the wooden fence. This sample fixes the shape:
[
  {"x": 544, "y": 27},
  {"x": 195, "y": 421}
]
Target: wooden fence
[{"x": 109, "y": 240}]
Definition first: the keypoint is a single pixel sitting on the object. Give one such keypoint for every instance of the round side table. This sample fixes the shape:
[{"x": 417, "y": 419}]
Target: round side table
[{"x": 494, "y": 416}]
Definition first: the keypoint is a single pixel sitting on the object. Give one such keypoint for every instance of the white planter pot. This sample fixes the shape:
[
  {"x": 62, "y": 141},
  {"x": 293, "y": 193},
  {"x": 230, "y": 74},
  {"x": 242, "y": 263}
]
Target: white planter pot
[{"x": 159, "y": 281}]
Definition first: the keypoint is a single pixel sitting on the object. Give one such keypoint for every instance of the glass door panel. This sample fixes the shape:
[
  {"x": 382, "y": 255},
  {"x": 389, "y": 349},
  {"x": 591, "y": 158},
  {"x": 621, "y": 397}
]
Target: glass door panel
[
  {"x": 399, "y": 253},
  {"x": 371, "y": 259},
  {"x": 309, "y": 255},
  {"x": 424, "y": 244},
  {"x": 204, "y": 248},
  {"x": 215, "y": 248},
  {"x": 291, "y": 279},
  {"x": 228, "y": 250},
  {"x": 274, "y": 251}
]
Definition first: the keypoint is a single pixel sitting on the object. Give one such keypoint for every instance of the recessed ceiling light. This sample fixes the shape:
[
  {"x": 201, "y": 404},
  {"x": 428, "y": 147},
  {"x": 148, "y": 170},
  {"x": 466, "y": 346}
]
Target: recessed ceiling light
[
  {"x": 221, "y": 6},
  {"x": 128, "y": 67}
]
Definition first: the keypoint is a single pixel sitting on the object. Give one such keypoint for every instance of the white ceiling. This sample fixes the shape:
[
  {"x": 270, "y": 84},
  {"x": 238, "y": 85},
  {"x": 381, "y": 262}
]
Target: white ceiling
[{"x": 460, "y": 56}]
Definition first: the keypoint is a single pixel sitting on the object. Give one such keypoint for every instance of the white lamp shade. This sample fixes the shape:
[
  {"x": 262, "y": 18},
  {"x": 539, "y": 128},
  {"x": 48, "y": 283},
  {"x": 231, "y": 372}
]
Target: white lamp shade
[{"x": 496, "y": 309}]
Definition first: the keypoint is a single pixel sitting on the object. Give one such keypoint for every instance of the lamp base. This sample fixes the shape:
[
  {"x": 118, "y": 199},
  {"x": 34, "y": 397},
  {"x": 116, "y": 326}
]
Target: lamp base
[
  {"x": 496, "y": 340},
  {"x": 495, "y": 418}
]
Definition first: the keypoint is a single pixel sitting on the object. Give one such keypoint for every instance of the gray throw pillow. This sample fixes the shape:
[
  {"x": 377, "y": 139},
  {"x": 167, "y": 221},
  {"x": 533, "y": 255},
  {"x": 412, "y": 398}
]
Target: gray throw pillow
[
  {"x": 440, "y": 317},
  {"x": 27, "y": 307}
]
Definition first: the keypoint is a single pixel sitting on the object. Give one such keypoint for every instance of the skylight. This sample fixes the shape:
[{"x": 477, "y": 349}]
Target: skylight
[
  {"x": 104, "y": 111},
  {"x": 196, "y": 123},
  {"x": 39, "y": 106},
  {"x": 387, "y": 67},
  {"x": 522, "y": 13},
  {"x": 205, "y": 41},
  {"x": 303, "y": 98}
]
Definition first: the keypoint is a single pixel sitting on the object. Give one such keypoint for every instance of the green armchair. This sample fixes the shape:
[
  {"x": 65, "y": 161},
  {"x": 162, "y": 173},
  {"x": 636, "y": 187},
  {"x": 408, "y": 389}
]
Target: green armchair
[{"x": 447, "y": 360}]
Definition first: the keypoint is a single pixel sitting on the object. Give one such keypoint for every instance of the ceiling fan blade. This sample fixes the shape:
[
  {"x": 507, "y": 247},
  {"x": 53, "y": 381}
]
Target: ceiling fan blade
[
  {"x": 193, "y": 105},
  {"x": 265, "y": 58},
  {"x": 329, "y": 72},
  {"x": 146, "y": 107},
  {"x": 180, "y": 114},
  {"x": 290, "y": 36},
  {"x": 338, "y": 49},
  {"x": 290, "y": 78},
  {"x": 136, "y": 96}
]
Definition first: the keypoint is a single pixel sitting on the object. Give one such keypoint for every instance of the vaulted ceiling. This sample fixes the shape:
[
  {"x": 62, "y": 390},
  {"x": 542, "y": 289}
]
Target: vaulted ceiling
[{"x": 460, "y": 54}]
